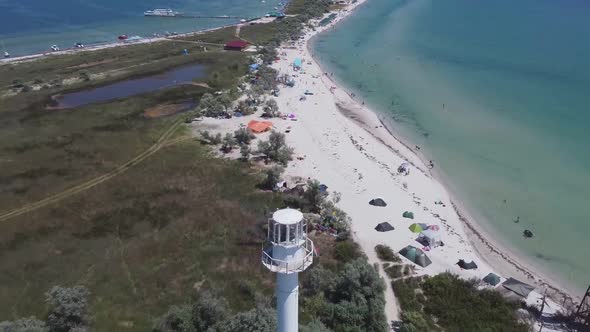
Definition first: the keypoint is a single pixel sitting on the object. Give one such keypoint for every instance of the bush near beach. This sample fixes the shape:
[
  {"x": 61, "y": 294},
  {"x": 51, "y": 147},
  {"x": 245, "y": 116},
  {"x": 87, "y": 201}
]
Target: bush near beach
[{"x": 445, "y": 302}]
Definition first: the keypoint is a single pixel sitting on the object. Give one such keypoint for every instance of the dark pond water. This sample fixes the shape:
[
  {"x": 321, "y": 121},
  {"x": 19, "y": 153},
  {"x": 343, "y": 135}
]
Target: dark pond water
[{"x": 178, "y": 76}]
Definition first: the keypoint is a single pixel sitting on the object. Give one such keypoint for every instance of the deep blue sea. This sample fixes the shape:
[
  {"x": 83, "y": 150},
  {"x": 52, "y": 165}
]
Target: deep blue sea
[
  {"x": 31, "y": 26},
  {"x": 497, "y": 93}
]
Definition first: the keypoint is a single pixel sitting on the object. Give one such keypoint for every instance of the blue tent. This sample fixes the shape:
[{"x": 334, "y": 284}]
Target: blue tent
[
  {"x": 254, "y": 67},
  {"x": 297, "y": 63}
]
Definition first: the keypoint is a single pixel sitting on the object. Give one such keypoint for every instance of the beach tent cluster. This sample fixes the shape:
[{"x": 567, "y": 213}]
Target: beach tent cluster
[{"x": 416, "y": 256}]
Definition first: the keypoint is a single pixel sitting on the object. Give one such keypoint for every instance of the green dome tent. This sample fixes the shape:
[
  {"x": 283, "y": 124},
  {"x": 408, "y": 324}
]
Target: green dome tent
[
  {"x": 415, "y": 255},
  {"x": 492, "y": 279},
  {"x": 408, "y": 214},
  {"x": 416, "y": 228}
]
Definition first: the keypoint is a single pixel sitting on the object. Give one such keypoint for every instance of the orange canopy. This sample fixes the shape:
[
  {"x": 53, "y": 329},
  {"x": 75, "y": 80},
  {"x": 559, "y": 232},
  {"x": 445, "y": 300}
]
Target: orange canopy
[{"x": 259, "y": 126}]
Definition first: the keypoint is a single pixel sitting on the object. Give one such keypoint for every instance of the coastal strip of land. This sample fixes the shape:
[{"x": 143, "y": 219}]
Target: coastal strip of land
[{"x": 344, "y": 144}]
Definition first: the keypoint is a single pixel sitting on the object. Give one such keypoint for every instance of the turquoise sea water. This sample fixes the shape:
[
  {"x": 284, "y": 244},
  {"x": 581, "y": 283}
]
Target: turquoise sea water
[
  {"x": 32, "y": 26},
  {"x": 514, "y": 78}
]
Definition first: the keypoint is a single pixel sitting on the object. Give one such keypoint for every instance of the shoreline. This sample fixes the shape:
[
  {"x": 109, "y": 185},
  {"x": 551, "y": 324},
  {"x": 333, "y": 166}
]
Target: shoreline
[
  {"x": 480, "y": 240},
  {"x": 102, "y": 46}
]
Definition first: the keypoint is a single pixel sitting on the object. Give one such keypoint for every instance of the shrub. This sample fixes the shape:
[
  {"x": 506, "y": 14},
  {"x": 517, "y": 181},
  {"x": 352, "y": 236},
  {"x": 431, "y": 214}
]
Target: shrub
[
  {"x": 316, "y": 279},
  {"x": 226, "y": 100},
  {"x": 385, "y": 253},
  {"x": 347, "y": 251},
  {"x": 314, "y": 196},
  {"x": 178, "y": 318},
  {"x": 394, "y": 271},
  {"x": 406, "y": 295},
  {"x": 314, "y": 326},
  {"x": 243, "y": 136},
  {"x": 211, "y": 106},
  {"x": 255, "y": 320},
  {"x": 413, "y": 321},
  {"x": 228, "y": 143},
  {"x": 31, "y": 324},
  {"x": 208, "y": 311},
  {"x": 245, "y": 108},
  {"x": 334, "y": 217},
  {"x": 67, "y": 307},
  {"x": 271, "y": 109},
  {"x": 267, "y": 78},
  {"x": 216, "y": 140},
  {"x": 244, "y": 152},
  {"x": 273, "y": 175},
  {"x": 276, "y": 149},
  {"x": 356, "y": 299},
  {"x": 447, "y": 295}
]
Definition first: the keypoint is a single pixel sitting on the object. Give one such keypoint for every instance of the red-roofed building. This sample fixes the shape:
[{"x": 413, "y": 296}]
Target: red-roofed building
[{"x": 236, "y": 45}]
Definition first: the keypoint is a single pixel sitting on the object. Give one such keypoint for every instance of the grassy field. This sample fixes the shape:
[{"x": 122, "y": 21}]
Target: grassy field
[{"x": 142, "y": 240}]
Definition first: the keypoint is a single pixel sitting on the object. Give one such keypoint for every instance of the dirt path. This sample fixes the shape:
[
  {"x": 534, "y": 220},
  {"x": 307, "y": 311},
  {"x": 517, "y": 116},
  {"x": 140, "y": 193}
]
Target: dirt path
[{"x": 162, "y": 141}]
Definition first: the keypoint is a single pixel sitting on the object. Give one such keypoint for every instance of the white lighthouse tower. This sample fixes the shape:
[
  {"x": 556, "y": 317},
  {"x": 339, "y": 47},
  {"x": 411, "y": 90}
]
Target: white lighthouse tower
[{"x": 288, "y": 252}]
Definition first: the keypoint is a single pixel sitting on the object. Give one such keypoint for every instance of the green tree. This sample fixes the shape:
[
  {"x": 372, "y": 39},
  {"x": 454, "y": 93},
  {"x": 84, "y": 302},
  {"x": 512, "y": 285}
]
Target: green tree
[
  {"x": 177, "y": 319},
  {"x": 31, "y": 324},
  {"x": 226, "y": 100},
  {"x": 413, "y": 321},
  {"x": 273, "y": 175},
  {"x": 211, "y": 106},
  {"x": 228, "y": 143},
  {"x": 245, "y": 152},
  {"x": 356, "y": 299},
  {"x": 267, "y": 78},
  {"x": 208, "y": 311},
  {"x": 68, "y": 308},
  {"x": 314, "y": 196},
  {"x": 243, "y": 136},
  {"x": 276, "y": 149},
  {"x": 314, "y": 326},
  {"x": 271, "y": 109},
  {"x": 201, "y": 315},
  {"x": 255, "y": 320}
]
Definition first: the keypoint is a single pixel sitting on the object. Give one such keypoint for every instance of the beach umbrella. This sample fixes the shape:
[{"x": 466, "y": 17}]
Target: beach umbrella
[
  {"x": 416, "y": 228},
  {"x": 434, "y": 227},
  {"x": 492, "y": 279}
]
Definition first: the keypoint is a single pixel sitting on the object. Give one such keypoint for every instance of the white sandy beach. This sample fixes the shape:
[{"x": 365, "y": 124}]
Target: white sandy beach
[{"x": 345, "y": 146}]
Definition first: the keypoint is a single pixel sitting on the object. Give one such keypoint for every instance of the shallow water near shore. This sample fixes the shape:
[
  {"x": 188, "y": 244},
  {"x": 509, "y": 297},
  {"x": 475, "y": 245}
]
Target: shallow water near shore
[
  {"x": 495, "y": 93},
  {"x": 33, "y": 26}
]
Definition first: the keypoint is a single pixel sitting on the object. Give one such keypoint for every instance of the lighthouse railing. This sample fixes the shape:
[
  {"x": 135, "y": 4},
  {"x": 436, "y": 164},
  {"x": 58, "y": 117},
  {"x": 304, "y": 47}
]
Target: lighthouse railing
[{"x": 292, "y": 265}]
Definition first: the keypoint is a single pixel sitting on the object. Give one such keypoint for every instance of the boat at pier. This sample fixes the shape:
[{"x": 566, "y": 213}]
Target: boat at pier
[{"x": 160, "y": 12}]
